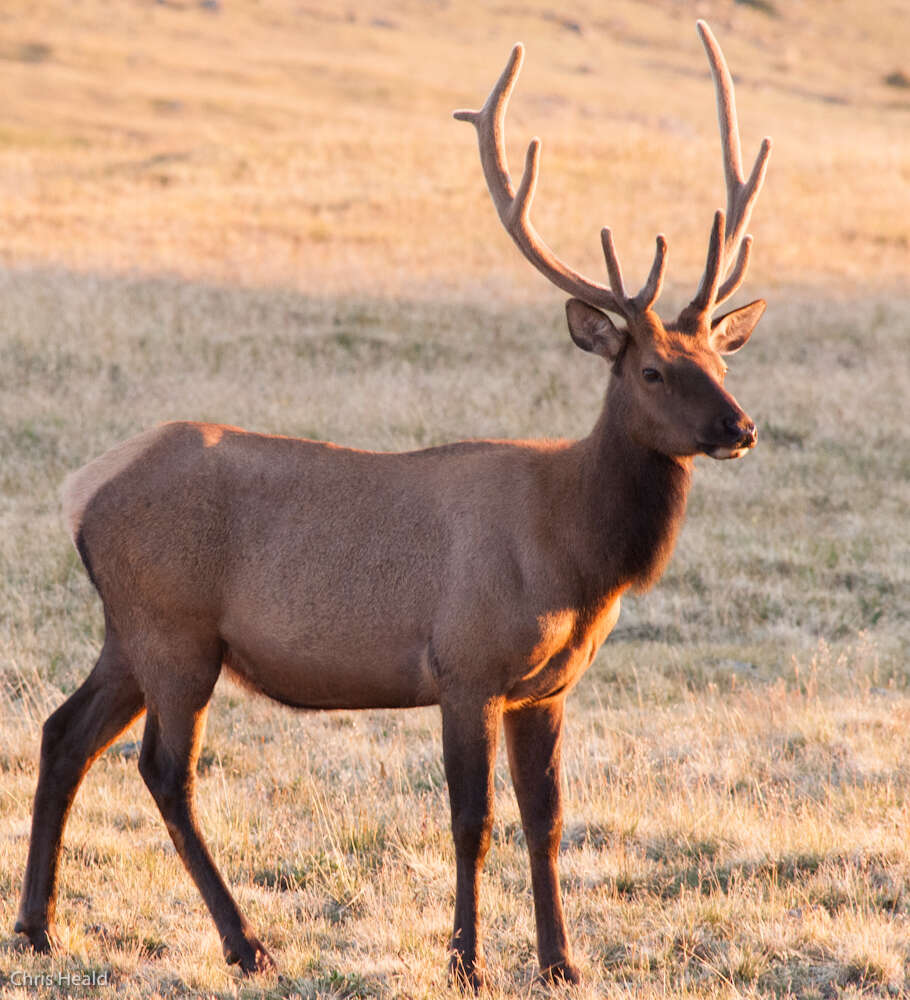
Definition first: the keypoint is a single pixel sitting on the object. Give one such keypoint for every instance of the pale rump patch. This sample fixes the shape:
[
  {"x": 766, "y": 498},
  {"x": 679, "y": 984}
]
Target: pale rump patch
[{"x": 80, "y": 486}]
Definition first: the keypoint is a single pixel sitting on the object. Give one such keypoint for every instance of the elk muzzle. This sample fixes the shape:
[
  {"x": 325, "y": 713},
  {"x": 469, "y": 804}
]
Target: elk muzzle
[{"x": 732, "y": 437}]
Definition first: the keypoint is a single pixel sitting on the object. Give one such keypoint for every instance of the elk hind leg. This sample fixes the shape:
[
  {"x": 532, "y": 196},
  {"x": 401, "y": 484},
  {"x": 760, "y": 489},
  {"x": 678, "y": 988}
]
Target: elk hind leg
[
  {"x": 170, "y": 748},
  {"x": 72, "y": 738}
]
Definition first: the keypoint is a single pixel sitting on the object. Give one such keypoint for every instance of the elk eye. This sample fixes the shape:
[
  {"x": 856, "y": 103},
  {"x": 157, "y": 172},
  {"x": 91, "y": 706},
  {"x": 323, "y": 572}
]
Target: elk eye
[{"x": 651, "y": 375}]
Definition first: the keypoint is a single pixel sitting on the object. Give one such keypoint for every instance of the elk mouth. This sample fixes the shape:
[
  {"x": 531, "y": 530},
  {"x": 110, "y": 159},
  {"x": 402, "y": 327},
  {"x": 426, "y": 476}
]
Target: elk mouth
[{"x": 724, "y": 451}]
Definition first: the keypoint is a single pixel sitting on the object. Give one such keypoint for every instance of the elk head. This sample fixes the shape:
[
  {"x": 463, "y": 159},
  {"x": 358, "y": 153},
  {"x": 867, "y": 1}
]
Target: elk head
[{"x": 668, "y": 377}]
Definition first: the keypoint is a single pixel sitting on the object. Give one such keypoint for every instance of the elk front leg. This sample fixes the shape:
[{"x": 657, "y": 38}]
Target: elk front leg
[
  {"x": 533, "y": 739},
  {"x": 73, "y": 737},
  {"x": 469, "y": 737}
]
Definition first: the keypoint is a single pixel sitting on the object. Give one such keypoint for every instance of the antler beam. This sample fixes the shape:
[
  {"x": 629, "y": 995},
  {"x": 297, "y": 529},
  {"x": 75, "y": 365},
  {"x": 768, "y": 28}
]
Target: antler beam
[
  {"x": 729, "y": 248},
  {"x": 741, "y": 194},
  {"x": 514, "y": 209}
]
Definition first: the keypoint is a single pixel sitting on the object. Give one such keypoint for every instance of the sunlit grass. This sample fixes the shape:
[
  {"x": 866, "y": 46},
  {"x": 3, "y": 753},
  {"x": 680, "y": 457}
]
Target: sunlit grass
[{"x": 735, "y": 758}]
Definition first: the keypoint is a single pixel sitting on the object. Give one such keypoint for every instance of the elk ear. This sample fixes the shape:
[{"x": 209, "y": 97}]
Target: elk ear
[
  {"x": 593, "y": 330},
  {"x": 732, "y": 330}
]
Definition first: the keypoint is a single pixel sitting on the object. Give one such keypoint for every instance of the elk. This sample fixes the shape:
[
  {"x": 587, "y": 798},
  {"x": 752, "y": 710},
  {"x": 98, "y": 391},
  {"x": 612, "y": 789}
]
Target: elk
[{"x": 480, "y": 576}]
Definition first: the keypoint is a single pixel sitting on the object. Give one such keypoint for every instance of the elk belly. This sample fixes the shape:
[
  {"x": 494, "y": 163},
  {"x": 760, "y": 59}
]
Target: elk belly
[{"x": 390, "y": 676}]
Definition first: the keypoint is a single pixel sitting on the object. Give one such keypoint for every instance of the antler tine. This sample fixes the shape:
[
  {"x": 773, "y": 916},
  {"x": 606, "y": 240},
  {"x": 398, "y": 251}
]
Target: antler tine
[
  {"x": 738, "y": 274},
  {"x": 614, "y": 271},
  {"x": 514, "y": 207},
  {"x": 741, "y": 194},
  {"x": 649, "y": 294},
  {"x": 726, "y": 113},
  {"x": 748, "y": 194},
  {"x": 706, "y": 296},
  {"x": 492, "y": 116}
]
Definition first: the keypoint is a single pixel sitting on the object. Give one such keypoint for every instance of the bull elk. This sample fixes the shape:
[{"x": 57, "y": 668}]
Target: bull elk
[{"x": 481, "y": 576}]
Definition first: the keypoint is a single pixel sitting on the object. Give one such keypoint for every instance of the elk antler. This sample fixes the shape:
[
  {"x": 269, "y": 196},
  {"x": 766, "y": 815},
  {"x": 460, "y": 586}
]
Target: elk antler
[
  {"x": 727, "y": 232},
  {"x": 514, "y": 209}
]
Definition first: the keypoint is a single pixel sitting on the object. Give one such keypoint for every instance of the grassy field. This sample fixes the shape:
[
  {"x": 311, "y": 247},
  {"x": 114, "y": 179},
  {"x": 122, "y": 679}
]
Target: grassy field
[{"x": 263, "y": 214}]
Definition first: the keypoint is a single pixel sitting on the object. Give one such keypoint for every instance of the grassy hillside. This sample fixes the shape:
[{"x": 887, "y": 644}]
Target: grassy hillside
[
  {"x": 313, "y": 145},
  {"x": 264, "y": 214}
]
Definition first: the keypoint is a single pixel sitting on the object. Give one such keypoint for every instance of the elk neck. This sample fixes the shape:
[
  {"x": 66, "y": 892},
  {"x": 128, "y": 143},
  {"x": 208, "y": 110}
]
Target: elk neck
[{"x": 632, "y": 499}]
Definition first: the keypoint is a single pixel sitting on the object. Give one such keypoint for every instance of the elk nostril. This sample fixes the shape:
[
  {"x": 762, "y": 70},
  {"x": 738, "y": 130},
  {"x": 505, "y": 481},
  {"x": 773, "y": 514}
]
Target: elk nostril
[{"x": 740, "y": 429}]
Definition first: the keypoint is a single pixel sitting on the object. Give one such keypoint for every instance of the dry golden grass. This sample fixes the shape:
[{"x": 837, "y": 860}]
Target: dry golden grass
[{"x": 265, "y": 215}]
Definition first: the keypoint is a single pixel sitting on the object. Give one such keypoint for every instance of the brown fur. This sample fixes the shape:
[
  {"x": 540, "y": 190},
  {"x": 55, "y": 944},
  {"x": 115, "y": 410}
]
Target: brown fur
[{"x": 481, "y": 576}]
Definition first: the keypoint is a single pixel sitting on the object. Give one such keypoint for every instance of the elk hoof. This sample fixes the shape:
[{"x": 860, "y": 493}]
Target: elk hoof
[
  {"x": 561, "y": 972},
  {"x": 468, "y": 977},
  {"x": 42, "y": 939},
  {"x": 252, "y": 957}
]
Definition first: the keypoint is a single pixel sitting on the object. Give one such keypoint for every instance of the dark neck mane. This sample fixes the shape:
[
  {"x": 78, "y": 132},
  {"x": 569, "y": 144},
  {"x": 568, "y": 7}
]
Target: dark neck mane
[{"x": 634, "y": 502}]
